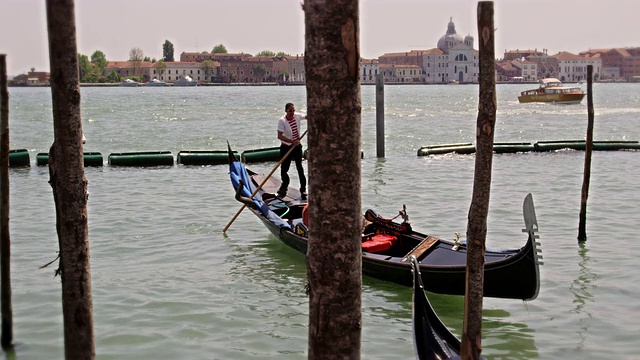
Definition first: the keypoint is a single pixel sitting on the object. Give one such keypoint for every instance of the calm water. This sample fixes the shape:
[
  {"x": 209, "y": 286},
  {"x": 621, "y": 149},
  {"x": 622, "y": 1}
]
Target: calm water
[{"x": 167, "y": 284}]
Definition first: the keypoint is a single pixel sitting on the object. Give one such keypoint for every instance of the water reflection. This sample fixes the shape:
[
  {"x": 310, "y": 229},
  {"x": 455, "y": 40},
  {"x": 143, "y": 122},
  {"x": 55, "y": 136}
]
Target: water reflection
[
  {"x": 386, "y": 307},
  {"x": 581, "y": 289},
  {"x": 376, "y": 181}
]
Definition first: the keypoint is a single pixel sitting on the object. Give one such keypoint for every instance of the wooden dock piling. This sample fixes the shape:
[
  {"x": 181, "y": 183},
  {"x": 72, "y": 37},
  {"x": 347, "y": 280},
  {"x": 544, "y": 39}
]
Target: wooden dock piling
[
  {"x": 582, "y": 226},
  {"x": 5, "y": 242},
  {"x": 379, "y": 116}
]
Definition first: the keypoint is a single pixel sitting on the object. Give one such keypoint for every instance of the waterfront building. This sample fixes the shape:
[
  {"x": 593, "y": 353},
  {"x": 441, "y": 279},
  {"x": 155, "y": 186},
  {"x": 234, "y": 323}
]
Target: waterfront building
[
  {"x": 546, "y": 65},
  {"x": 369, "y": 69},
  {"x": 506, "y": 71},
  {"x": 573, "y": 68},
  {"x": 295, "y": 69},
  {"x": 520, "y": 54},
  {"x": 200, "y": 57},
  {"x": 38, "y": 78},
  {"x": 618, "y": 63},
  {"x": 516, "y": 70},
  {"x": 246, "y": 68},
  {"x": 528, "y": 69},
  {"x": 401, "y": 73},
  {"x": 434, "y": 64},
  {"x": 249, "y": 69},
  {"x": 172, "y": 71},
  {"x": 128, "y": 68},
  {"x": 454, "y": 59}
]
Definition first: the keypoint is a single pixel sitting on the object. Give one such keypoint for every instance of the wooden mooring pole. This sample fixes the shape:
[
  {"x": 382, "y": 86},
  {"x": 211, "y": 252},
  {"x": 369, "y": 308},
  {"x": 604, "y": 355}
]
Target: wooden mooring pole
[
  {"x": 471, "y": 344},
  {"x": 5, "y": 243},
  {"x": 334, "y": 254},
  {"x": 582, "y": 226},
  {"x": 379, "y": 116},
  {"x": 68, "y": 182}
]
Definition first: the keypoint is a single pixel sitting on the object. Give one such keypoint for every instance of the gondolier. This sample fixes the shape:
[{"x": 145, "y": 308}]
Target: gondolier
[
  {"x": 289, "y": 136},
  {"x": 387, "y": 245}
]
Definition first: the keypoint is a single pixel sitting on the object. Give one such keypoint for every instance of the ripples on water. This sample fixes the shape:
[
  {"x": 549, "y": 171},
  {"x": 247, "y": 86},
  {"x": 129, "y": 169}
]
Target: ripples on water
[{"x": 168, "y": 284}]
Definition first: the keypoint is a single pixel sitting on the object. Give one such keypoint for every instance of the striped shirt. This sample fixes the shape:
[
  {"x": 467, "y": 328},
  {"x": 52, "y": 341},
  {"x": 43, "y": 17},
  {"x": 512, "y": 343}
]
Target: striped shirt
[
  {"x": 291, "y": 129},
  {"x": 294, "y": 128}
]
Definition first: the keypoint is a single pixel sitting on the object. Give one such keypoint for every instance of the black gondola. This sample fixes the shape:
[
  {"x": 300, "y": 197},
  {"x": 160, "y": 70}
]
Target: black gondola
[
  {"x": 431, "y": 338},
  {"x": 388, "y": 245}
]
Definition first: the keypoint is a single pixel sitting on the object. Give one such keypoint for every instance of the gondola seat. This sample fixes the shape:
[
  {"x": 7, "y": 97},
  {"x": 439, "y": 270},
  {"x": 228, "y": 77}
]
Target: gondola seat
[{"x": 376, "y": 243}]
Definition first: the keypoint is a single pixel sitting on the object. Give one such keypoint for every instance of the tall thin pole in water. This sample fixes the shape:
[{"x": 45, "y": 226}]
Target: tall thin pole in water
[
  {"x": 5, "y": 240},
  {"x": 379, "y": 116},
  {"x": 477, "y": 228},
  {"x": 582, "y": 226},
  {"x": 334, "y": 254},
  {"x": 66, "y": 177}
]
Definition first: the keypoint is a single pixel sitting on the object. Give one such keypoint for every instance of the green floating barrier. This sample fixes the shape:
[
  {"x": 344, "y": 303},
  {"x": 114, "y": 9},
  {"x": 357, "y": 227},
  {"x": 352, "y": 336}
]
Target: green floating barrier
[
  {"x": 19, "y": 157},
  {"x": 461, "y": 148},
  {"x": 542, "y": 146},
  {"x": 204, "y": 157},
  {"x": 149, "y": 158},
  {"x": 90, "y": 159},
  {"x": 616, "y": 145},
  {"x": 512, "y": 147},
  {"x": 261, "y": 155},
  {"x": 582, "y": 145},
  {"x": 42, "y": 159},
  {"x": 93, "y": 159}
]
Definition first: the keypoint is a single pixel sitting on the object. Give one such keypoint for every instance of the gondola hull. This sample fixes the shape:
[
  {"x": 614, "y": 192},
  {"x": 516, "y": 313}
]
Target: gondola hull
[
  {"x": 432, "y": 340},
  {"x": 512, "y": 273},
  {"x": 443, "y": 270}
]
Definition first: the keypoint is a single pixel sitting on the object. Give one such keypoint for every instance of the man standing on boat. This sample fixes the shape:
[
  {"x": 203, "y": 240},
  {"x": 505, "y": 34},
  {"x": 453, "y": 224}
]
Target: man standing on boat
[{"x": 289, "y": 134}]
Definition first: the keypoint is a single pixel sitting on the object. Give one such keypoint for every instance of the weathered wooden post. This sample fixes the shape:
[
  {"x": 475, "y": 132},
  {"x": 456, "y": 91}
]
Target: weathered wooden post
[
  {"x": 334, "y": 256},
  {"x": 5, "y": 239},
  {"x": 471, "y": 346},
  {"x": 582, "y": 226},
  {"x": 66, "y": 176},
  {"x": 380, "y": 116}
]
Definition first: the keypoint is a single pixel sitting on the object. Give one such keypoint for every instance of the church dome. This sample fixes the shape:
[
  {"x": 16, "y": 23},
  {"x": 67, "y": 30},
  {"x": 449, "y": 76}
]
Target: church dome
[{"x": 450, "y": 39}]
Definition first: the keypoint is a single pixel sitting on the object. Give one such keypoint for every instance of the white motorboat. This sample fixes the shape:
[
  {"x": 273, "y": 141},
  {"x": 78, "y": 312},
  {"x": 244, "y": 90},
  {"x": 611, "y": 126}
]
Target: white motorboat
[
  {"x": 552, "y": 90},
  {"x": 186, "y": 81},
  {"x": 156, "y": 82},
  {"x": 129, "y": 82}
]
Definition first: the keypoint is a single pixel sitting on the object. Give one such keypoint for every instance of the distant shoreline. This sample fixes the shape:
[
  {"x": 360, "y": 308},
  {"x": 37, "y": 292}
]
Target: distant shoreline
[{"x": 301, "y": 84}]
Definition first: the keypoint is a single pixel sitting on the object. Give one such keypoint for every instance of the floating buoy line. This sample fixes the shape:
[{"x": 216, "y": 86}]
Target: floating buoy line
[{"x": 21, "y": 157}]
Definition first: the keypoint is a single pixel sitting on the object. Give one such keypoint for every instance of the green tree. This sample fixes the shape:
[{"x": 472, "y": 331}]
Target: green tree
[
  {"x": 99, "y": 61},
  {"x": 135, "y": 56},
  {"x": 146, "y": 58},
  {"x": 266, "y": 53},
  {"x": 219, "y": 49},
  {"x": 114, "y": 77},
  {"x": 282, "y": 53},
  {"x": 84, "y": 66},
  {"x": 167, "y": 51}
]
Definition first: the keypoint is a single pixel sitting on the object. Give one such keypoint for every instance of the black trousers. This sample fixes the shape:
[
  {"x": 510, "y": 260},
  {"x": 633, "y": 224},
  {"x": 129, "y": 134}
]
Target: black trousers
[{"x": 296, "y": 155}]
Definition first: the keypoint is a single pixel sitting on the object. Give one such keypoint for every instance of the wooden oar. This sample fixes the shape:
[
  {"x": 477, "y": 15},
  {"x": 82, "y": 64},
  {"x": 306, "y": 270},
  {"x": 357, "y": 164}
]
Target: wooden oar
[{"x": 262, "y": 184}]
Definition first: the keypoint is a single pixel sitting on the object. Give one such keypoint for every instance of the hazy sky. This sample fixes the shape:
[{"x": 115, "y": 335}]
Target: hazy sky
[{"x": 250, "y": 26}]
